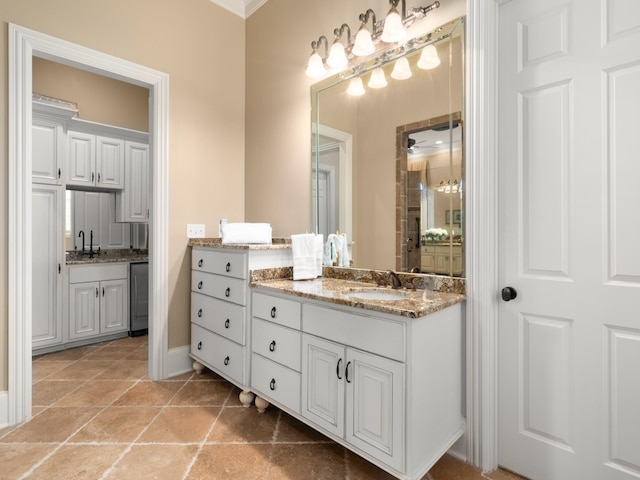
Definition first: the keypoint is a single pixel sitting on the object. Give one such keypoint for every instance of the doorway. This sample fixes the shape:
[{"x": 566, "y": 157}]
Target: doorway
[{"x": 24, "y": 44}]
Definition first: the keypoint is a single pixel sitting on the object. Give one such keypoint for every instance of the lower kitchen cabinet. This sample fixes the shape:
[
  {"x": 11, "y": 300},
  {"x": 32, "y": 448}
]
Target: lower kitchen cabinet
[{"x": 98, "y": 300}]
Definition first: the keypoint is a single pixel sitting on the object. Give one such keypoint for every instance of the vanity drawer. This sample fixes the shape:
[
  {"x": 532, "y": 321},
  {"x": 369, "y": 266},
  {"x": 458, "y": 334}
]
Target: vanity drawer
[
  {"x": 218, "y": 353},
  {"x": 375, "y": 335},
  {"x": 221, "y": 263},
  {"x": 276, "y": 382},
  {"x": 277, "y": 343},
  {"x": 277, "y": 310},
  {"x": 225, "y": 288},
  {"x": 224, "y": 318}
]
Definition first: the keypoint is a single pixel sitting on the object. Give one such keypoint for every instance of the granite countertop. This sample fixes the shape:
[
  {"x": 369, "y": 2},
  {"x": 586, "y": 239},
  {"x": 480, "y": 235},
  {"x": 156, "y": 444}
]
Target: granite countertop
[
  {"x": 216, "y": 242},
  {"x": 336, "y": 286},
  {"x": 108, "y": 256}
]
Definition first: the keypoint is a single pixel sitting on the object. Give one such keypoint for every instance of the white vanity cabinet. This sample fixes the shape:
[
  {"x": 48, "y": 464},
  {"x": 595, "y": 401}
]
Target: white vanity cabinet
[
  {"x": 441, "y": 259},
  {"x": 98, "y": 300},
  {"x": 220, "y": 309}
]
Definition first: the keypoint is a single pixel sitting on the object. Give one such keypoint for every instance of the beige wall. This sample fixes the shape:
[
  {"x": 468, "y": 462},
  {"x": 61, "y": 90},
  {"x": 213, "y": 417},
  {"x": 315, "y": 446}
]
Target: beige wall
[
  {"x": 202, "y": 49},
  {"x": 278, "y": 173}
]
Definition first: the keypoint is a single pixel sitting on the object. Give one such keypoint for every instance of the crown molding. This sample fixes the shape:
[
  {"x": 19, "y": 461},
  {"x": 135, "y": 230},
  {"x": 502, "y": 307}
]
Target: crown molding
[{"x": 242, "y": 8}]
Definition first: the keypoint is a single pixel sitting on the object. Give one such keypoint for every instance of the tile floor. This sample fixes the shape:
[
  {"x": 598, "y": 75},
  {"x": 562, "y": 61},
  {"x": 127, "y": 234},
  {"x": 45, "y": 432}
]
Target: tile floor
[{"x": 97, "y": 416}]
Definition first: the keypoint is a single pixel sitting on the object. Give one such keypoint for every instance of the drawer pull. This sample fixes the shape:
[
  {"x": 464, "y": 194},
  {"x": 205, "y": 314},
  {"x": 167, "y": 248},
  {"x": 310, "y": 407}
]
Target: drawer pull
[
  {"x": 200, "y": 285},
  {"x": 228, "y": 267},
  {"x": 338, "y": 369},
  {"x": 346, "y": 372},
  {"x": 199, "y": 345},
  {"x": 227, "y": 292},
  {"x": 97, "y": 293},
  {"x": 272, "y": 346},
  {"x": 273, "y": 312},
  {"x": 226, "y": 323},
  {"x": 226, "y": 360},
  {"x": 272, "y": 384},
  {"x": 200, "y": 313},
  {"x": 200, "y": 262}
]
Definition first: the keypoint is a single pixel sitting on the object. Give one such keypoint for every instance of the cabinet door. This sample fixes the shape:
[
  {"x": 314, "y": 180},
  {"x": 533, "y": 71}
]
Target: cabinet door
[
  {"x": 114, "y": 306},
  {"x": 47, "y": 210},
  {"x": 323, "y": 365},
  {"x": 47, "y": 151},
  {"x": 132, "y": 203},
  {"x": 109, "y": 163},
  {"x": 375, "y": 406},
  {"x": 84, "y": 308},
  {"x": 81, "y": 159}
]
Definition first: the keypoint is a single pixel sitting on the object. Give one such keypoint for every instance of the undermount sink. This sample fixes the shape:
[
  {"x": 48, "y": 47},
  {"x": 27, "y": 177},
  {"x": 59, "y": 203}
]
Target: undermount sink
[{"x": 375, "y": 295}]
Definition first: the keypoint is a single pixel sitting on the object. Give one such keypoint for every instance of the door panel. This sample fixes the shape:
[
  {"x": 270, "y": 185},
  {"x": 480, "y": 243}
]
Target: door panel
[{"x": 569, "y": 343}]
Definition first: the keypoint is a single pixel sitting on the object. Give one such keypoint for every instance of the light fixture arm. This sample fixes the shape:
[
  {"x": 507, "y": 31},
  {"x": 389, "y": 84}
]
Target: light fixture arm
[
  {"x": 364, "y": 18},
  {"x": 338, "y": 32},
  {"x": 315, "y": 45}
]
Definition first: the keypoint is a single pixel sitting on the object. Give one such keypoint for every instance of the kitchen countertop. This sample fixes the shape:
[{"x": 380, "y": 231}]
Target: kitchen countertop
[
  {"x": 216, "y": 242},
  {"x": 108, "y": 256},
  {"x": 336, "y": 287}
]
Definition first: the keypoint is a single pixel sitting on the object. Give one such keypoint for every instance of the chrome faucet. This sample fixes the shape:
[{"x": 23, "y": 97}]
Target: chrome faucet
[
  {"x": 395, "y": 280},
  {"x": 81, "y": 234}
]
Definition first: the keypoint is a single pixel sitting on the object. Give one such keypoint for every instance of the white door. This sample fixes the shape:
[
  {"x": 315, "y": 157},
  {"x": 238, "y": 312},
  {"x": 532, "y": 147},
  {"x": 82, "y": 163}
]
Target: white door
[
  {"x": 569, "y": 343},
  {"x": 114, "y": 314},
  {"x": 84, "y": 309}
]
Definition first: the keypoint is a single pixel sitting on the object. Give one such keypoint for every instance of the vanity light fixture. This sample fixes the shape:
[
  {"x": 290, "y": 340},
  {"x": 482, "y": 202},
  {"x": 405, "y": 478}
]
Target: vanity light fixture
[
  {"x": 450, "y": 186},
  {"x": 377, "y": 80},
  {"x": 429, "y": 58},
  {"x": 391, "y": 30},
  {"x": 401, "y": 69},
  {"x": 356, "y": 88}
]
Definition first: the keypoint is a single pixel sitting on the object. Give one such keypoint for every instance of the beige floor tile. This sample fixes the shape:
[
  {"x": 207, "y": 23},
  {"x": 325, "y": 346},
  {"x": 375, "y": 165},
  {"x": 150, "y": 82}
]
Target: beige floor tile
[
  {"x": 237, "y": 462},
  {"x": 501, "y": 474},
  {"x": 180, "y": 425},
  {"x": 234, "y": 398},
  {"x": 139, "y": 353},
  {"x": 19, "y": 459},
  {"x": 209, "y": 393},
  {"x": 183, "y": 376},
  {"x": 239, "y": 424},
  {"x": 42, "y": 369},
  {"x": 52, "y": 425},
  {"x": 317, "y": 461},
  {"x": 81, "y": 370},
  {"x": 70, "y": 354},
  {"x": 125, "y": 370},
  {"x": 149, "y": 393},
  {"x": 450, "y": 468},
  {"x": 159, "y": 462},
  {"x": 95, "y": 393},
  {"x": 291, "y": 430},
  {"x": 139, "y": 341},
  {"x": 111, "y": 353},
  {"x": 48, "y": 392},
  {"x": 78, "y": 462},
  {"x": 117, "y": 424},
  {"x": 361, "y": 469}
]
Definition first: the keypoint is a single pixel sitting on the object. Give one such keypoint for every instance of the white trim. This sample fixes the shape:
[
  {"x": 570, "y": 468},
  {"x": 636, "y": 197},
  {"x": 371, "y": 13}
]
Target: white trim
[
  {"x": 242, "y": 8},
  {"x": 179, "y": 361},
  {"x": 4, "y": 409},
  {"x": 481, "y": 234},
  {"x": 23, "y": 45}
]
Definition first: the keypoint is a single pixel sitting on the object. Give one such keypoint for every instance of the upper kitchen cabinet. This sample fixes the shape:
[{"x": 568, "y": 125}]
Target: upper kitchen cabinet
[
  {"x": 132, "y": 203},
  {"x": 49, "y": 126}
]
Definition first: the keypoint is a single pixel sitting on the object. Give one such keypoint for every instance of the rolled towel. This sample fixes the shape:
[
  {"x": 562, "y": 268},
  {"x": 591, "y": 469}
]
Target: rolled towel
[
  {"x": 305, "y": 251},
  {"x": 246, "y": 233},
  {"x": 344, "y": 251}
]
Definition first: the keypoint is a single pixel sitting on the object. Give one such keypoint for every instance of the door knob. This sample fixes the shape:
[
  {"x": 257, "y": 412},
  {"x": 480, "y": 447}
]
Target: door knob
[{"x": 509, "y": 293}]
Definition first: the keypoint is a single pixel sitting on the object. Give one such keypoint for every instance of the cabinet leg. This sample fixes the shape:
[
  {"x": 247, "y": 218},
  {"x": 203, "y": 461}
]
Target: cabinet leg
[
  {"x": 246, "y": 398},
  {"x": 198, "y": 367},
  {"x": 261, "y": 404}
]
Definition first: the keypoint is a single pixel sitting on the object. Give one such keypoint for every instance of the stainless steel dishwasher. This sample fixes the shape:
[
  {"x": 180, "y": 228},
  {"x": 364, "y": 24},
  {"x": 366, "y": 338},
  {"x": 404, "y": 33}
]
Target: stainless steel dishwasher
[{"x": 138, "y": 298}]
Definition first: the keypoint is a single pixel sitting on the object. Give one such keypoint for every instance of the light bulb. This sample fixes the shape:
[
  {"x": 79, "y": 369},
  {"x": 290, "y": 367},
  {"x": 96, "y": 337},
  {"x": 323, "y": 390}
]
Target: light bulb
[
  {"x": 401, "y": 69},
  {"x": 355, "y": 87},
  {"x": 315, "y": 68},
  {"x": 363, "y": 45},
  {"x": 377, "y": 79},
  {"x": 429, "y": 58},
  {"x": 337, "y": 56},
  {"x": 394, "y": 30}
]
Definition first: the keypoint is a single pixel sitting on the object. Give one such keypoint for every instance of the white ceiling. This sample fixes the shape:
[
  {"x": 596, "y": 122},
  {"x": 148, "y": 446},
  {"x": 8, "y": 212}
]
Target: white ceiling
[{"x": 242, "y": 8}]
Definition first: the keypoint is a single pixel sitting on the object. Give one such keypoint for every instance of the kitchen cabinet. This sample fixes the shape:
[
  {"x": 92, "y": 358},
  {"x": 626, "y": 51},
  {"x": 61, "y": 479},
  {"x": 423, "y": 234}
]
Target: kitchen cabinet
[
  {"x": 47, "y": 260},
  {"x": 132, "y": 203},
  {"x": 95, "y": 161},
  {"x": 98, "y": 300}
]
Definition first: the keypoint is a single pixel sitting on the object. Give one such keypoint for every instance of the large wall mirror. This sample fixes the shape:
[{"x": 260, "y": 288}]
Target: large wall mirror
[{"x": 388, "y": 164}]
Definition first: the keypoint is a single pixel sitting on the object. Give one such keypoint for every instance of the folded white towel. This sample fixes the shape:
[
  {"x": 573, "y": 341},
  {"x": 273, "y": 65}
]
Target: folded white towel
[
  {"x": 319, "y": 247},
  {"x": 336, "y": 250},
  {"x": 246, "y": 233},
  {"x": 307, "y": 254},
  {"x": 344, "y": 251}
]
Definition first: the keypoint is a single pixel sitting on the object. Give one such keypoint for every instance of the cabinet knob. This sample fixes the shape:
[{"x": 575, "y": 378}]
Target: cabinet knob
[
  {"x": 273, "y": 312},
  {"x": 59, "y": 174},
  {"x": 272, "y": 346},
  {"x": 226, "y": 360},
  {"x": 200, "y": 262},
  {"x": 96, "y": 292},
  {"x": 226, "y": 323},
  {"x": 272, "y": 384},
  {"x": 227, "y": 292},
  {"x": 98, "y": 177},
  {"x": 346, "y": 372},
  {"x": 338, "y": 369},
  {"x": 200, "y": 285},
  {"x": 199, "y": 313},
  {"x": 92, "y": 176},
  {"x": 199, "y": 345},
  {"x": 103, "y": 291},
  {"x": 228, "y": 267}
]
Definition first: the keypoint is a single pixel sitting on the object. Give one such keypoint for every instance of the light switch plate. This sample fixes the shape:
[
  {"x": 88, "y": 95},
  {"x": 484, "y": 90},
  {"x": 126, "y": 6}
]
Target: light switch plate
[{"x": 195, "y": 230}]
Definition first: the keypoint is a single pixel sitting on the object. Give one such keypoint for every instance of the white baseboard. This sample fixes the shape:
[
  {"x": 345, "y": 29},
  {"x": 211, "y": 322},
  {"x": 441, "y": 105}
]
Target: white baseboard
[
  {"x": 178, "y": 361},
  {"x": 4, "y": 409},
  {"x": 459, "y": 449}
]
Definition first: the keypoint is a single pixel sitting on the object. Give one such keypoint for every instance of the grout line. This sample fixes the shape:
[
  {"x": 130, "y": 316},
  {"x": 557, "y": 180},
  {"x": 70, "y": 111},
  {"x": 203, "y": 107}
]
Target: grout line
[{"x": 274, "y": 438}]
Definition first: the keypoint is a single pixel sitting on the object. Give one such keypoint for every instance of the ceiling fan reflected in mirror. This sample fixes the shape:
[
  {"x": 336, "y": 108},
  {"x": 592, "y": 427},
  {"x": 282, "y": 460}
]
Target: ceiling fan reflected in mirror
[{"x": 427, "y": 142}]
